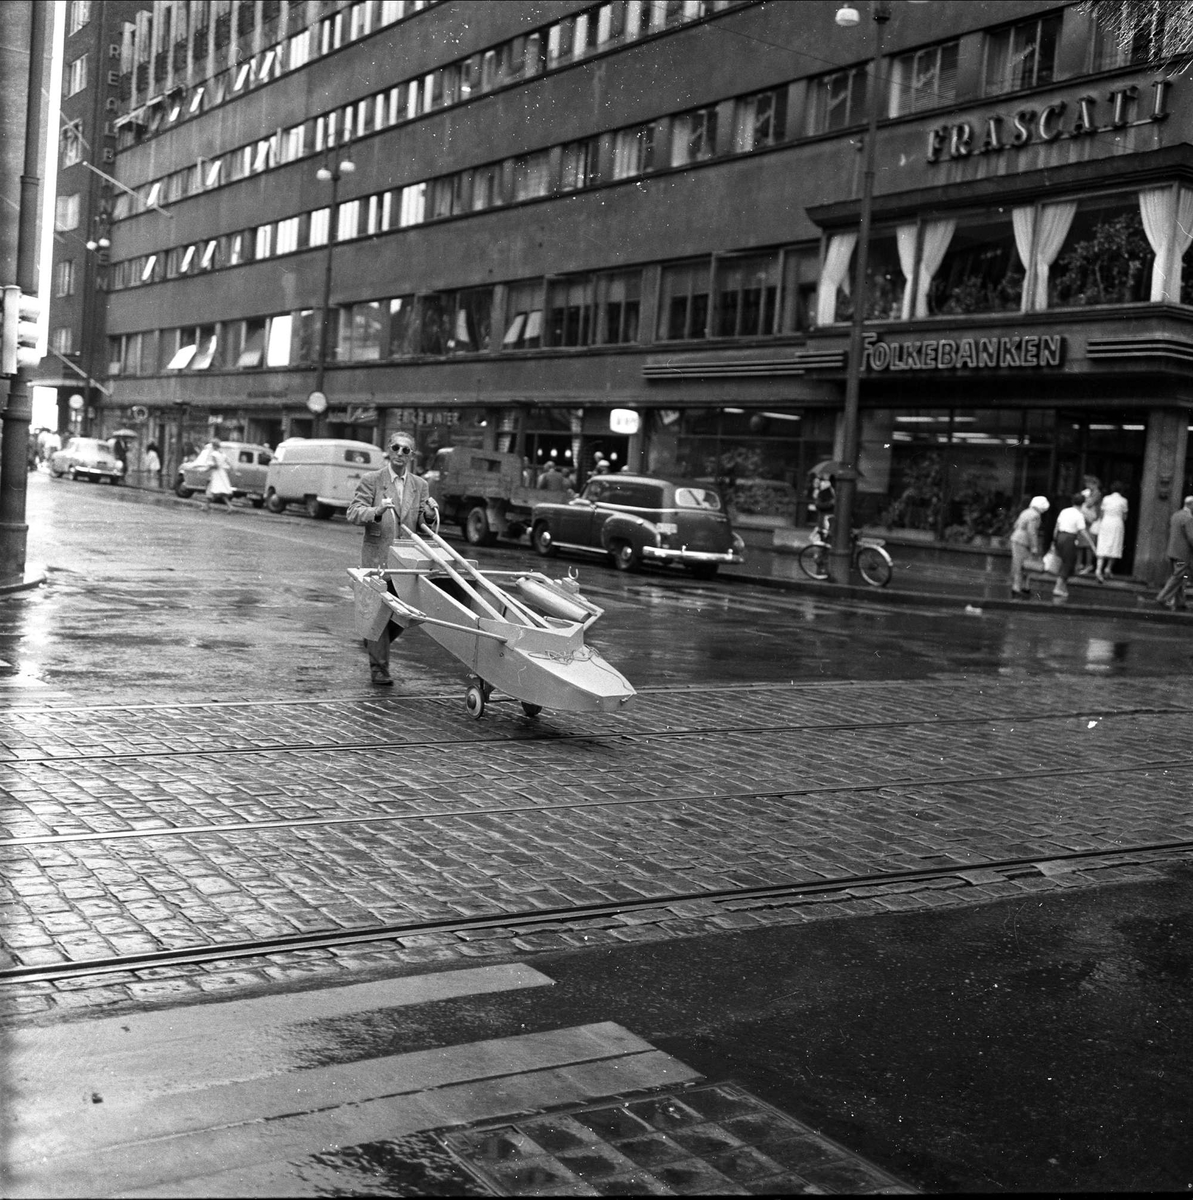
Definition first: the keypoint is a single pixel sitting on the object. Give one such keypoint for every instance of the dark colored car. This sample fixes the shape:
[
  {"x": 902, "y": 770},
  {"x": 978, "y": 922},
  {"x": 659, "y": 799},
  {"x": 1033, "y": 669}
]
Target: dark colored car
[
  {"x": 249, "y": 465},
  {"x": 637, "y": 519}
]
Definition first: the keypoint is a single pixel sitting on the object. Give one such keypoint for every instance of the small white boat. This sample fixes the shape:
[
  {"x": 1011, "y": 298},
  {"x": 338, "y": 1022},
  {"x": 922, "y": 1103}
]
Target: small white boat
[{"x": 526, "y": 638}]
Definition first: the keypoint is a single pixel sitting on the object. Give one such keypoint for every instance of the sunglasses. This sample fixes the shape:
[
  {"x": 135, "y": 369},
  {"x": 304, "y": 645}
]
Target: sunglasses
[{"x": 401, "y": 450}]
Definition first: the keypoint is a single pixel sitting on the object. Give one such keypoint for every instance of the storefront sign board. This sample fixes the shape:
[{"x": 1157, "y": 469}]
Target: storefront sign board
[{"x": 962, "y": 354}]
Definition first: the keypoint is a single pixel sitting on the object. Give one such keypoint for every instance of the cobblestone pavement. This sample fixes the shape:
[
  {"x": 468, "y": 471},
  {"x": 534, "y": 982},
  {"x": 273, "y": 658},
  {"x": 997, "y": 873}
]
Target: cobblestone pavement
[{"x": 398, "y": 810}]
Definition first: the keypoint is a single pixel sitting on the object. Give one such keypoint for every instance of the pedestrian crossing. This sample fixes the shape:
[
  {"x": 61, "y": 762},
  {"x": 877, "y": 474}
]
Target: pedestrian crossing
[{"x": 262, "y": 1097}]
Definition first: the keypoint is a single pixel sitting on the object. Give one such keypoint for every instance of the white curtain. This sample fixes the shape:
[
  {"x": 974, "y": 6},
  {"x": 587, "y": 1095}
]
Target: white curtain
[
  {"x": 834, "y": 275},
  {"x": 905, "y": 238},
  {"x": 1023, "y": 221},
  {"x": 937, "y": 236},
  {"x": 1051, "y": 230},
  {"x": 1168, "y": 222}
]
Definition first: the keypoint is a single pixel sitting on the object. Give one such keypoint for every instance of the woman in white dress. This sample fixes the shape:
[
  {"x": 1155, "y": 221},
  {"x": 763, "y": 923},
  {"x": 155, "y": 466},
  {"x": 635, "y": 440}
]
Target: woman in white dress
[
  {"x": 1112, "y": 530},
  {"x": 219, "y": 484}
]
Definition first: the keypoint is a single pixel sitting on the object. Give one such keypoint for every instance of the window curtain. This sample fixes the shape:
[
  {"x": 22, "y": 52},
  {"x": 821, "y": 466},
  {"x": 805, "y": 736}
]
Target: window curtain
[
  {"x": 1048, "y": 235},
  {"x": 1167, "y": 215},
  {"x": 905, "y": 239},
  {"x": 834, "y": 275},
  {"x": 937, "y": 236}
]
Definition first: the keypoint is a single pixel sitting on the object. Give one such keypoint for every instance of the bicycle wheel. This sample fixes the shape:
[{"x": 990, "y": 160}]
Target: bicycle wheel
[
  {"x": 813, "y": 561},
  {"x": 875, "y": 565}
]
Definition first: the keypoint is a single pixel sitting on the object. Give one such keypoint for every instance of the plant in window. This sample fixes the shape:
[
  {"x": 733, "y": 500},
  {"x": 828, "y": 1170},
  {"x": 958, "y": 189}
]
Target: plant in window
[
  {"x": 1110, "y": 266},
  {"x": 918, "y": 506}
]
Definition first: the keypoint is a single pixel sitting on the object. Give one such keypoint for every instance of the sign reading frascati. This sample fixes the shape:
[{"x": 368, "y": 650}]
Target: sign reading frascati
[
  {"x": 962, "y": 354},
  {"x": 1002, "y": 131}
]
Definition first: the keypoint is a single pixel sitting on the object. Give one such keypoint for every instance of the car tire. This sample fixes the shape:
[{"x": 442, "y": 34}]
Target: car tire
[
  {"x": 275, "y": 503},
  {"x": 541, "y": 540},
  {"x": 74, "y": 475},
  {"x": 317, "y": 510},
  {"x": 257, "y": 501},
  {"x": 181, "y": 490},
  {"x": 56, "y": 474},
  {"x": 625, "y": 557},
  {"x": 477, "y": 531}
]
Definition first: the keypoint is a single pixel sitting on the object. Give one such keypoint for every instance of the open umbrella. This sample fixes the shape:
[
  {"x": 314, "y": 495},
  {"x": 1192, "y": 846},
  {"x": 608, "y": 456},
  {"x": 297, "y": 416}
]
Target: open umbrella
[
  {"x": 830, "y": 466},
  {"x": 125, "y": 433}
]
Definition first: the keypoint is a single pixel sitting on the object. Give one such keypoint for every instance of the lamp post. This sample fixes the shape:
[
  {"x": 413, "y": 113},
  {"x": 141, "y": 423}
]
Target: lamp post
[
  {"x": 317, "y": 401},
  {"x": 840, "y": 553},
  {"x": 97, "y": 246}
]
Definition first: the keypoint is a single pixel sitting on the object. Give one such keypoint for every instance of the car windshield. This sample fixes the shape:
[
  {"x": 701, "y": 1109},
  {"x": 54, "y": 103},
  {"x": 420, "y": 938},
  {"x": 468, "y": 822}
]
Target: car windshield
[
  {"x": 696, "y": 497},
  {"x": 90, "y": 446}
]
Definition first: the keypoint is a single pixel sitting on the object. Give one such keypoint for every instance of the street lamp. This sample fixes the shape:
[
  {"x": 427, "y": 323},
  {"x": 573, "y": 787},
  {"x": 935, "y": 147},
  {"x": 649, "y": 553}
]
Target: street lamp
[
  {"x": 840, "y": 555},
  {"x": 317, "y": 401}
]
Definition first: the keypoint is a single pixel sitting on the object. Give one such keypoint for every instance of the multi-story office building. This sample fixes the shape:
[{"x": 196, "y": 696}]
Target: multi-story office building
[
  {"x": 628, "y": 226},
  {"x": 86, "y": 139}
]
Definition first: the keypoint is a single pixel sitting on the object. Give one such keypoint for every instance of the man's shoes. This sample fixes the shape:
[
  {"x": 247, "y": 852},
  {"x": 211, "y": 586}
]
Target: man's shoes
[{"x": 381, "y": 677}]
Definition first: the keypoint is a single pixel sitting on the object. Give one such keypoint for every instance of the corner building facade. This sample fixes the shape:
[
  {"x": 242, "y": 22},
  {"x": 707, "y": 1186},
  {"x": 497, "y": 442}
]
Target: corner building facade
[{"x": 629, "y": 227}]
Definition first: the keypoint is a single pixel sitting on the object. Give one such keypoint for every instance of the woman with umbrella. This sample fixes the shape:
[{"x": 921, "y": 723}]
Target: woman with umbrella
[{"x": 822, "y": 496}]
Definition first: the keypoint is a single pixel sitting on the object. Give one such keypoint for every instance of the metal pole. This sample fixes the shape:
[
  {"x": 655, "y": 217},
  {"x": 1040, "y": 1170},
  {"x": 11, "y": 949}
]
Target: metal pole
[
  {"x": 18, "y": 411},
  {"x": 840, "y": 553},
  {"x": 320, "y": 366}
]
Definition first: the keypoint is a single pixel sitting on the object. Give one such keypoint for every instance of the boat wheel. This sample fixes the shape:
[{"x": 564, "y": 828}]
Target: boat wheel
[{"x": 531, "y": 710}]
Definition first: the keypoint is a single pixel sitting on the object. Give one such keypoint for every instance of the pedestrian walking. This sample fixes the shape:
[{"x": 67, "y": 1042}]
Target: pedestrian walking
[
  {"x": 1180, "y": 556},
  {"x": 552, "y": 480},
  {"x": 219, "y": 483},
  {"x": 1091, "y": 509},
  {"x": 1112, "y": 530},
  {"x": 1071, "y": 532},
  {"x": 151, "y": 464},
  {"x": 1026, "y": 544},
  {"x": 384, "y": 501}
]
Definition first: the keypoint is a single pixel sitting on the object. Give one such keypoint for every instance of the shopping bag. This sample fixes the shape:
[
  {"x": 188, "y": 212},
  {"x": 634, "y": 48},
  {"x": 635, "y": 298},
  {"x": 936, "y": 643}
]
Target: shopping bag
[
  {"x": 1052, "y": 563},
  {"x": 1034, "y": 563}
]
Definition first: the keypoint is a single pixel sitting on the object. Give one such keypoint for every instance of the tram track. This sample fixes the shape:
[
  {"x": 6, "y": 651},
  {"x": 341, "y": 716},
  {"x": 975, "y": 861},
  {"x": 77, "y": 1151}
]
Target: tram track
[
  {"x": 692, "y": 799},
  {"x": 503, "y": 740},
  {"x": 781, "y": 893}
]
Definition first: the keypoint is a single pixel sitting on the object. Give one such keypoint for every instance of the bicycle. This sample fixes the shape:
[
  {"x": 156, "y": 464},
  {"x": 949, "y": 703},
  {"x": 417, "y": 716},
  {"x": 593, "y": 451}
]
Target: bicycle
[{"x": 867, "y": 555}]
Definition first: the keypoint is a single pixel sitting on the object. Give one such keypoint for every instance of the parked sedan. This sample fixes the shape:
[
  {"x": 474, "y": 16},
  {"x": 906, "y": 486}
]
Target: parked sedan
[
  {"x": 86, "y": 458},
  {"x": 636, "y": 519},
  {"x": 249, "y": 466}
]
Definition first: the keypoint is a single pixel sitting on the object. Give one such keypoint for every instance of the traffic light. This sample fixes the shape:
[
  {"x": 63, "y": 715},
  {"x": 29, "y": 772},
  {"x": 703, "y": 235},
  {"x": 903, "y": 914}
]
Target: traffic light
[{"x": 18, "y": 337}]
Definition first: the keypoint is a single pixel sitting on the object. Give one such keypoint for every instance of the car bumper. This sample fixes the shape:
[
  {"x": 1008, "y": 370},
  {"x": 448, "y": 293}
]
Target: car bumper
[
  {"x": 667, "y": 554},
  {"x": 98, "y": 472}
]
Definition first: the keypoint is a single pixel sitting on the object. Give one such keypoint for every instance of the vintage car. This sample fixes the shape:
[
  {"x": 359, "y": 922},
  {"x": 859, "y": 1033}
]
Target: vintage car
[
  {"x": 637, "y": 519},
  {"x": 86, "y": 458},
  {"x": 249, "y": 466}
]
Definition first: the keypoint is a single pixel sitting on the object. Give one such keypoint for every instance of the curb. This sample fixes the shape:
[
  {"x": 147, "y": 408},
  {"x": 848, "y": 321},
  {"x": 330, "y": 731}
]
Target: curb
[{"x": 33, "y": 577}]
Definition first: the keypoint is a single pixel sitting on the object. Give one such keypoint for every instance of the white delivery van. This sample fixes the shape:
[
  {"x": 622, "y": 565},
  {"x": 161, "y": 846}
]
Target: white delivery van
[{"x": 319, "y": 473}]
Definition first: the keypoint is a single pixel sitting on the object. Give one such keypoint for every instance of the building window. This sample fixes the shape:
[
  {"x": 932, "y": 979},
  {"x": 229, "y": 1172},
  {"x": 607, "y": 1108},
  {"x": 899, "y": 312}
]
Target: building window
[
  {"x": 62, "y": 339},
  {"x": 287, "y": 235},
  {"x": 487, "y": 187},
  {"x": 208, "y": 343},
  {"x": 524, "y": 317},
  {"x": 278, "y": 340},
  {"x": 362, "y": 332},
  {"x": 80, "y": 14},
  {"x": 210, "y": 253},
  {"x": 253, "y": 346},
  {"x": 694, "y": 136},
  {"x": 618, "y": 296},
  {"x": 760, "y": 120},
  {"x": 1136, "y": 35},
  {"x": 633, "y": 151},
  {"x": 64, "y": 278},
  {"x": 348, "y": 223},
  {"x": 264, "y": 242},
  {"x": 570, "y": 312},
  {"x": 188, "y": 347},
  {"x": 578, "y": 166},
  {"x": 414, "y": 205},
  {"x": 532, "y": 175},
  {"x": 1023, "y": 55},
  {"x": 1105, "y": 258},
  {"x": 320, "y": 227},
  {"x": 838, "y": 100},
  {"x": 76, "y": 76},
  {"x": 402, "y": 341},
  {"x": 66, "y": 212},
  {"x": 924, "y": 79},
  {"x": 981, "y": 270},
  {"x": 72, "y": 146},
  {"x": 148, "y": 269},
  {"x": 747, "y": 296},
  {"x": 683, "y": 301}
]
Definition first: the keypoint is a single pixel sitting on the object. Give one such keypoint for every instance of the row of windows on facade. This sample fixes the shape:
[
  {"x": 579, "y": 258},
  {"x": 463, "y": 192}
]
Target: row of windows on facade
[
  {"x": 756, "y": 121},
  {"x": 1110, "y": 248},
  {"x": 600, "y": 28},
  {"x": 1020, "y": 56},
  {"x": 162, "y": 47},
  {"x": 754, "y": 295}
]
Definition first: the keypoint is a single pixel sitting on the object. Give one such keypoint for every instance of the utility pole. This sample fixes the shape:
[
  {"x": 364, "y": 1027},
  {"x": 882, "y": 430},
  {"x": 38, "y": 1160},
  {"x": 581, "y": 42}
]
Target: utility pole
[{"x": 23, "y": 25}]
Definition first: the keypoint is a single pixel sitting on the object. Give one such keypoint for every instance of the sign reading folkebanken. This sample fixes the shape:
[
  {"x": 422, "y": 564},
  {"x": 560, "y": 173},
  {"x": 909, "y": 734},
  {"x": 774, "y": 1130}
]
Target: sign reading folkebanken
[
  {"x": 962, "y": 354},
  {"x": 1013, "y": 131}
]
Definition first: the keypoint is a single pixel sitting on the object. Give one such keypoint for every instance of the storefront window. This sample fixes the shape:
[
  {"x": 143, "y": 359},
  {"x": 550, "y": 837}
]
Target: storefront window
[
  {"x": 885, "y": 281},
  {"x": 1106, "y": 258},
  {"x": 759, "y": 459},
  {"x": 981, "y": 270}
]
